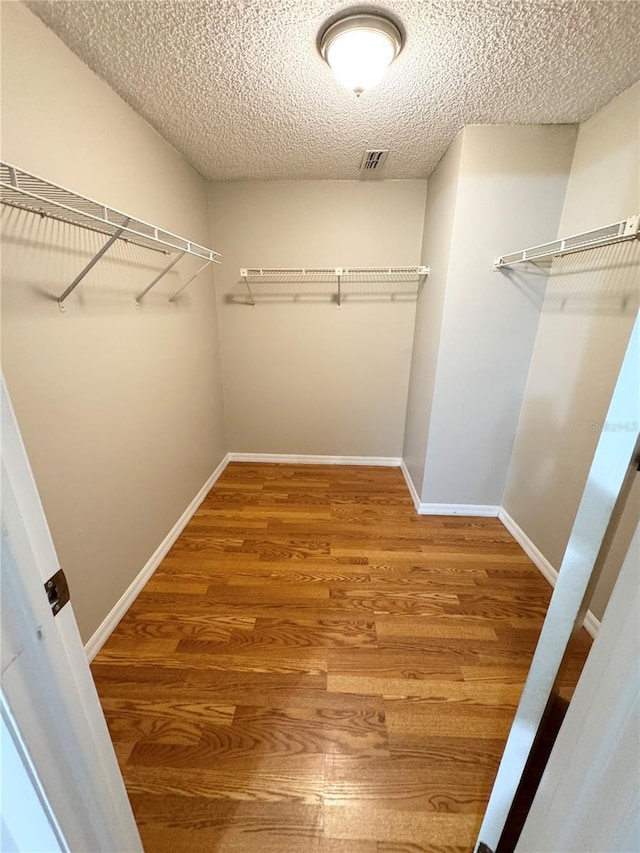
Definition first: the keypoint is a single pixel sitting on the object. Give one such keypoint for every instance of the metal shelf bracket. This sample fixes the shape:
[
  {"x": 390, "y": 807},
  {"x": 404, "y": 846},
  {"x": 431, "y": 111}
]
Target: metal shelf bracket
[
  {"x": 94, "y": 260},
  {"x": 188, "y": 282},
  {"x": 424, "y": 273},
  {"x": 244, "y": 274},
  {"x": 160, "y": 275}
]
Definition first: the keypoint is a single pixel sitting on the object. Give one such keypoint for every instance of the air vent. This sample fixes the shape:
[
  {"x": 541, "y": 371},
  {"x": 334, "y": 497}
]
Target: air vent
[{"x": 373, "y": 161}]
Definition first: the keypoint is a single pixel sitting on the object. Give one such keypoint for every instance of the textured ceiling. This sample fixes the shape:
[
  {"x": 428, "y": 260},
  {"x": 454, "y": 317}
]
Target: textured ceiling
[{"x": 239, "y": 88}]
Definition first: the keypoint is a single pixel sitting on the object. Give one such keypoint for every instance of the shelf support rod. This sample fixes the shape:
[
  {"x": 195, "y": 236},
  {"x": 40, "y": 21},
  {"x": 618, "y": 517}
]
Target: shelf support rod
[
  {"x": 187, "y": 283},
  {"x": 339, "y": 272},
  {"x": 160, "y": 275},
  {"x": 424, "y": 272},
  {"x": 94, "y": 260},
  {"x": 245, "y": 276}
]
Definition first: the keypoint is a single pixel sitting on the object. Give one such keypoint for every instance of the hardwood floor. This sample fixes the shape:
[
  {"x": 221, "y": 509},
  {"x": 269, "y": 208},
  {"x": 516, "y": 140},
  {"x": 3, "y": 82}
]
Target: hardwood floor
[{"x": 316, "y": 669}]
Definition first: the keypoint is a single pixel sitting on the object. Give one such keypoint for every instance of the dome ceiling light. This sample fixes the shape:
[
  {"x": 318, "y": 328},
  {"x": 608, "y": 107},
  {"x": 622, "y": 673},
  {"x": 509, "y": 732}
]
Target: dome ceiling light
[{"x": 359, "y": 49}]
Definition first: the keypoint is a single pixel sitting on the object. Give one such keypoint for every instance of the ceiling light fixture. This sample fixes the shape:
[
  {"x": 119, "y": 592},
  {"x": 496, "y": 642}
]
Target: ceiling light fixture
[{"x": 359, "y": 49}]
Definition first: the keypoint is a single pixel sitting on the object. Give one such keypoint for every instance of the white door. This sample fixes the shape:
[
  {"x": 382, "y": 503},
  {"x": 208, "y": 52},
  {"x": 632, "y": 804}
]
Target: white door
[
  {"x": 27, "y": 821},
  {"x": 47, "y": 689},
  {"x": 589, "y": 795},
  {"x": 613, "y": 470}
]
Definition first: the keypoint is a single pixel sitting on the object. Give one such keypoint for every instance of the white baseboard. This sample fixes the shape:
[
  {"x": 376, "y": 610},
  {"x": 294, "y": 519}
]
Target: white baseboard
[
  {"x": 483, "y": 510},
  {"x": 108, "y": 625},
  {"x": 294, "y": 459},
  {"x": 532, "y": 551},
  {"x": 445, "y": 509},
  {"x": 410, "y": 485},
  {"x": 591, "y": 623}
]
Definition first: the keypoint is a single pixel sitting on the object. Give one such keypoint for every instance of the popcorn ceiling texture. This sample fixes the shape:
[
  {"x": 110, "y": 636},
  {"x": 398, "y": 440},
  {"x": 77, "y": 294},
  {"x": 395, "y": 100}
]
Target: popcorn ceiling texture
[{"x": 239, "y": 88}]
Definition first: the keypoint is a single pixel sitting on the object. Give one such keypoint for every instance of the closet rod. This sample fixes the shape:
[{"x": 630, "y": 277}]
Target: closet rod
[
  {"x": 618, "y": 232},
  {"x": 33, "y": 194}
]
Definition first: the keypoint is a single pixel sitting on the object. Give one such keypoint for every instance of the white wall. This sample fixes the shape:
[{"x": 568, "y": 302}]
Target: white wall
[
  {"x": 300, "y": 374},
  {"x": 436, "y": 252},
  {"x": 120, "y": 409},
  {"x": 509, "y": 192},
  {"x": 586, "y": 319}
]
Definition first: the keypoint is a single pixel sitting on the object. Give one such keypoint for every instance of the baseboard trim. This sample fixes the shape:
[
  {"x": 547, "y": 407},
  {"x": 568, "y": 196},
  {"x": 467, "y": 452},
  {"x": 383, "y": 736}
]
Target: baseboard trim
[
  {"x": 445, "y": 509},
  {"x": 295, "y": 459},
  {"x": 591, "y": 623},
  {"x": 410, "y": 485},
  {"x": 482, "y": 510},
  {"x": 532, "y": 551},
  {"x": 109, "y": 624}
]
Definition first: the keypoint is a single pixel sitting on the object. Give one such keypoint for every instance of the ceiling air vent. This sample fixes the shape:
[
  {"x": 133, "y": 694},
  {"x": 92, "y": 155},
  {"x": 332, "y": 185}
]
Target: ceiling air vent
[{"x": 373, "y": 161}]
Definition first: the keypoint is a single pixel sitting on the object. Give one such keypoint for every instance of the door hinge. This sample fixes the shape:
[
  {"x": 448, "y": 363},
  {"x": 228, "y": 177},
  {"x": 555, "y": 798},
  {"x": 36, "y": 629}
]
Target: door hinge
[{"x": 57, "y": 591}]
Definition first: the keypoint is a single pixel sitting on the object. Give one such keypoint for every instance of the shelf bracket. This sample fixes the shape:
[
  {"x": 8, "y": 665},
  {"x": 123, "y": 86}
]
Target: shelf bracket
[
  {"x": 245, "y": 276},
  {"x": 187, "y": 283},
  {"x": 160, "y": 275},
  {"x": 339, "y": 274},
  {"x": 424, "y": 272},
  {"x": 94, "y": 260}
]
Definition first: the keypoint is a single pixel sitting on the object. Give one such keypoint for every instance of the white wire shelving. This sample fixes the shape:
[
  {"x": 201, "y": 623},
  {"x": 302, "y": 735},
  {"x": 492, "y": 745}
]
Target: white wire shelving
[
  {"x": 29, "y": 192},
  {"x": 617, "y": 232},
  {"x": 332, "y": 275}
]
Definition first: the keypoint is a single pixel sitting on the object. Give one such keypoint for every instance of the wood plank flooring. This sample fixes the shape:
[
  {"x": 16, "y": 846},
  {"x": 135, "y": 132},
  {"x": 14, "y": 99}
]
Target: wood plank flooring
[{"x": 316, "y": 669}]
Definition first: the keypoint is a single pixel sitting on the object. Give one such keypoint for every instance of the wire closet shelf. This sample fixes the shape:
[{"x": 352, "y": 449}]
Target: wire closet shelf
[
  {"x": 333, "y": 275},
  {"x": 29, "y": 192},
  {"x": 617, "y": 232}
]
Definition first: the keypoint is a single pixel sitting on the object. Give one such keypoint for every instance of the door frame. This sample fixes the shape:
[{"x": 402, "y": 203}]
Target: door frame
[
  {"x": 613, "y": 469},
  {"x": 46, "y": 681}
]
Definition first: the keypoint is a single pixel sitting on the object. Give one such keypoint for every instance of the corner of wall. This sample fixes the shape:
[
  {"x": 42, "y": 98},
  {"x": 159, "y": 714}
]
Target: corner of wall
[
  {"x": 430, "y": 306},
  {"x": 458, "y": 141},
  {"x": 210, "y": 189}
]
